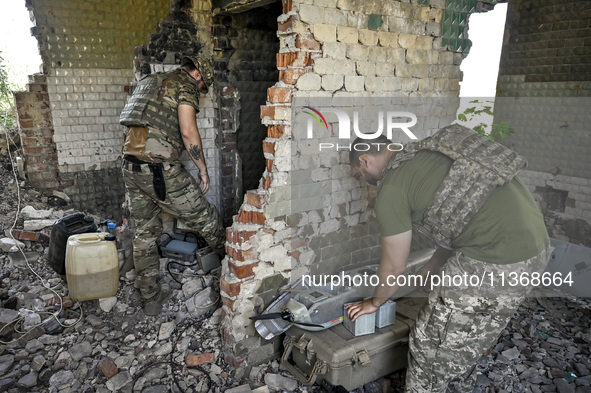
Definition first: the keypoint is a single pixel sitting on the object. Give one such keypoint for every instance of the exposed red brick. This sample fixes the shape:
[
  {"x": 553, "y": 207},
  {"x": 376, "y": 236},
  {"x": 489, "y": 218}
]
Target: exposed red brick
[
  {"x": 269, "y": 147},
  {"x": 230, "y": 289},
  {"x": 295, "y": 255},
  {"x": 269, "y": 231},
  {"x": 242, "y": 271},
  {"x": 307, "y": 41},
  {"x": 227, "y": 90},
  {"x": 275, "y": 131},
  {"x": 194, "y": 360},
  {"x": 291, "y": 75},
  {"x": 278, "y": 95},
  {"x": 267, "y": 182},
  {"x": 267, "y": 111},
  {"x": 251, "y": 217},
  {"x": 238, "y": 236},
  {"x": 242, "y": 255},
  {"x": 108, "y": 368},
  {"x": 228, "y": 303},
  {"x": 285, "y": 26},
  {"x": 26, "y": 235},
  {"x": 269, "y": 165},
  {"x": 298, "y": 242},
  {"x": 255, "y": 199}
]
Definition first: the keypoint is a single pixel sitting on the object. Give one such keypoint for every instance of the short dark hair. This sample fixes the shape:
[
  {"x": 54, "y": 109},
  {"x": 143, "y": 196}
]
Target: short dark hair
[{"x": 375, "y": 148}]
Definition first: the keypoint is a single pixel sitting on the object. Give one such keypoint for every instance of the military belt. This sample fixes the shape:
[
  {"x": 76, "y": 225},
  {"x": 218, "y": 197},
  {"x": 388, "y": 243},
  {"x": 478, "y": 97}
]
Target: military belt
[{"x": 134, "y": 164}]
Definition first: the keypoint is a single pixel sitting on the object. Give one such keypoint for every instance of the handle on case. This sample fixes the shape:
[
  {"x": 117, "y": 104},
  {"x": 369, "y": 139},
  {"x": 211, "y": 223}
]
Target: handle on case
[{"x": 319, "y": 367}]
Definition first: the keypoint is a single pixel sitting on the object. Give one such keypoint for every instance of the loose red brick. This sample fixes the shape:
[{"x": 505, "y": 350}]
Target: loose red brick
[
  {"x": 234, "y": 361},
  {"x": 255, "y": 199},
  {"x": 267, "y": 182},
  {"x": 194, "y": 360},
  {"x": 278, "y": 95},
  {"x": 230, "y": 289},
  {"x": 108, "y": 368},
  {"x": 26, "y": 235},
  {"x": 242, "y": 271}
]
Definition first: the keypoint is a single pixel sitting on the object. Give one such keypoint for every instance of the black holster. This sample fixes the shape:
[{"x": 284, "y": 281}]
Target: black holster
[{"x": 158, "y": 180}]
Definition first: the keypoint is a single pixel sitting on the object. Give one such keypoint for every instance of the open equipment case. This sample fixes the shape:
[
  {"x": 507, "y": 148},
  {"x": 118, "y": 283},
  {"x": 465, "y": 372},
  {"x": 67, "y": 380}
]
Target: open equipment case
[{"x": 337, "y": 356}]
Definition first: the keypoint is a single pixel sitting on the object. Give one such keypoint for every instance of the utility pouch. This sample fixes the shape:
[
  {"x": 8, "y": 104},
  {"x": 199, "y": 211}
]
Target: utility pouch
[
  {"x": 135, "y": 141},
  {"x": 158, "y": 180}
]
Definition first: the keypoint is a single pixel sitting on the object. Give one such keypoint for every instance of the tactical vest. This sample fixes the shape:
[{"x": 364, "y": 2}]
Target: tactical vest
[
  {"x": 144, "y": 108},
  {"x": 480, "y": 165}
]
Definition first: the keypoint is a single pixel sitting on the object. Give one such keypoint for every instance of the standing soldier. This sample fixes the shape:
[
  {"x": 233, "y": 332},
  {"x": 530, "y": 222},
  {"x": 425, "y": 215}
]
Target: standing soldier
[{"x": 161, "y": 120}]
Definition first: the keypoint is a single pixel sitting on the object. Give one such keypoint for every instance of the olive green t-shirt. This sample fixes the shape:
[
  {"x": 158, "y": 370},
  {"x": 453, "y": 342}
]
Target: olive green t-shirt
[{"x": 508, "y": 228}]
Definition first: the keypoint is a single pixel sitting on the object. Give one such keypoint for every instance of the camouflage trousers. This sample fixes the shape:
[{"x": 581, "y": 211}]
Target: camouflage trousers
[
  {"x": 184, "y": 200},
  {"x": 460, "y": 322}
]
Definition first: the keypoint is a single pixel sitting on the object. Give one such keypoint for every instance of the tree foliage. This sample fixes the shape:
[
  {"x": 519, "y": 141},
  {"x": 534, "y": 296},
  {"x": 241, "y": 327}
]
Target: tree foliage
[
  {"x": 6, "y": 97},
  {"x": 498, "y": 130}
]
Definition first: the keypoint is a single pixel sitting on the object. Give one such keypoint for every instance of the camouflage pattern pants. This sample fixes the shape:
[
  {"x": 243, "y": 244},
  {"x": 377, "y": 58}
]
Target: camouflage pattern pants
[
  {"x": 460, "y": 322},
  {"x": 184, "y": 200}
]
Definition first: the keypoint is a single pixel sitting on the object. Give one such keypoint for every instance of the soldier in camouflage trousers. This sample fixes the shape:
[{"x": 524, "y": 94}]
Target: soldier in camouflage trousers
[
  {"x": 461, "y": 191},
  {"x": 161, "y": 120}
]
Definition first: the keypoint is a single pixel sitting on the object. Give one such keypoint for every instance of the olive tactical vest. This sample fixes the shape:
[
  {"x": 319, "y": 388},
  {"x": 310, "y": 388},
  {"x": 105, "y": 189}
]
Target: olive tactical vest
[
  {"x": 144, "y": 108},
  {"x": 480, "y": 165}
]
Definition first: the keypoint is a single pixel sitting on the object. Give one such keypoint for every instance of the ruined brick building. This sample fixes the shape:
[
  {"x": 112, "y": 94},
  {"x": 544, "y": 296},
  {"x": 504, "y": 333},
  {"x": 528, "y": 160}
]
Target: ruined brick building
[{"x": 290, "y": 210}]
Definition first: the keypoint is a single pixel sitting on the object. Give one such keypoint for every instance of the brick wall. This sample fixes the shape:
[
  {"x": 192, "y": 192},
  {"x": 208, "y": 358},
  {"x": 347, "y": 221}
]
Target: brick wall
[
  {"x": 544, "y": 92},
  {"x": 88, "y": 70},
  {"x": 309, "y": 215},
  {"x": 70, "y": 114}
]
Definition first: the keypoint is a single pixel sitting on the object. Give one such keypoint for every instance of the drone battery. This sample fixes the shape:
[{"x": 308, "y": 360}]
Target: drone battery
[
  {"x": 208, "y": 260},
  {"x": 365, "y": 324},
  {"x": 177, "y": 249},
  {"x": 386, "y": 314}
]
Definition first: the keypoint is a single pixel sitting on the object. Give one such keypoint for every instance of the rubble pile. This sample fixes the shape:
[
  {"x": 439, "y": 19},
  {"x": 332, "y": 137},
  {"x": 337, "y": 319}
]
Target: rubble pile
[{"x": 53, "y": 344}]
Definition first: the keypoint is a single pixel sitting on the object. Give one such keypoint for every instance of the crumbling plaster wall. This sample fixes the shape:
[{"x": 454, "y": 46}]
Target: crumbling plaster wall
[
  {"x": 544, "y": 93},
  {"x": 309, "y": 215}
]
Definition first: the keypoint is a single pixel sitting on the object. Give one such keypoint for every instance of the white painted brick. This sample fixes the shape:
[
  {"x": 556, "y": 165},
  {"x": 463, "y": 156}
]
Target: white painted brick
[
  {"x": 378, "y": 54},
  {"x": 368, "y": 37},
  {"x": 392, "y": 84},
  {"x": 424, "y": 42},
  {"x": 395, "y": 55},
  {"x": 387, "y": 38},
  {"x": 332, "y": 82},
  {"x": 334, "y": 66},
  {"x": 357, "y": 52},
  {"x": 335, "y": 50},
  {"x": 365, "y": 68},
  {"x": 385, "y": 69},
  {"x": 311, "y": 13},
  {"x": 374, "y": 83},
  {"x": 309, "y": 81},
  {"x": 407, "y": 41},
  {"x": 355, "y": 83},
  {"x": 348, "y": 35},
  {"x": 325, "y": 33},
  {"x": 335, "y": 17}
]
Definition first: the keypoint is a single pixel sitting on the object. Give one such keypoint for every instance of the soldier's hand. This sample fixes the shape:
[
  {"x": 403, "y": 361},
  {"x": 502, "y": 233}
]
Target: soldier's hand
[
  {"x": 204, "y": 182},
  {"x": 356, "y": 310}
]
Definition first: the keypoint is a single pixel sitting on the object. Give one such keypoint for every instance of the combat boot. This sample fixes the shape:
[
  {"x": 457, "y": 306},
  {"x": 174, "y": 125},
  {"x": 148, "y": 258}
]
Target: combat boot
[{"x": 154, "y": 305}]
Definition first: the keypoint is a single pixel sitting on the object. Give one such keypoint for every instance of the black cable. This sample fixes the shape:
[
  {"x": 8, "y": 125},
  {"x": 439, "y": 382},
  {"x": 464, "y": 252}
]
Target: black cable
[{"x": 180, "y": 264}]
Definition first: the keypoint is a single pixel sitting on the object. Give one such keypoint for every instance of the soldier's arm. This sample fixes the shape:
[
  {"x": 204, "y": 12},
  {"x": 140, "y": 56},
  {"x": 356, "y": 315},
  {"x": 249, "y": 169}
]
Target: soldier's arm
[
  {"x": 192, "y": 141},
  {"x": 395, "y": 251}
]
